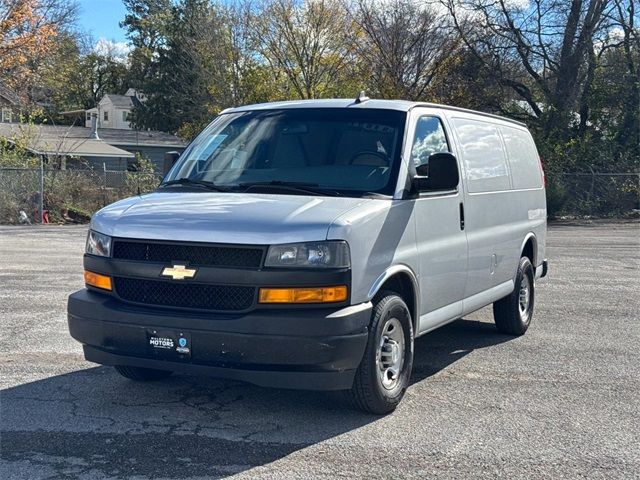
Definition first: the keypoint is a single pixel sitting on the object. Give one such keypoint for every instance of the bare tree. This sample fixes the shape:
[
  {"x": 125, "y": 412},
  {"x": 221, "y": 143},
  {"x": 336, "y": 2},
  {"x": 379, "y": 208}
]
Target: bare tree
[
  {"x": 624, "y": 18},
  {"x": 306, "y": 40},
  {"x": 541, "y": 49},
  {"x": 404, "y": 43}
]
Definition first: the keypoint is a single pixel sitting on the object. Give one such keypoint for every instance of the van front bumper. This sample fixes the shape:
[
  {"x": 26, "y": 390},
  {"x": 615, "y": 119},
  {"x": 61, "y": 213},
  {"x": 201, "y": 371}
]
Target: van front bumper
[{"x": 312, "y": 348}]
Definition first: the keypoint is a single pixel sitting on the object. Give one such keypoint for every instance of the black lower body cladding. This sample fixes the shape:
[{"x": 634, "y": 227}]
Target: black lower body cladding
[{"x": 318, "y": 349}]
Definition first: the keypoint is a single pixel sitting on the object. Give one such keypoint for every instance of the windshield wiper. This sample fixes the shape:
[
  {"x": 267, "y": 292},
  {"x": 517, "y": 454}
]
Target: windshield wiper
[
  {"x": 376, "y": 195},
  {"x": 194, "y": 183},
  {"x": 301, "y": 187}
]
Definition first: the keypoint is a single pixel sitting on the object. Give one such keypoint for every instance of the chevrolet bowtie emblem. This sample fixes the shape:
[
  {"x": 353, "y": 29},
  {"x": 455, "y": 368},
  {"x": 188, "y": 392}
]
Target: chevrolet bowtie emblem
[{"x": 179, "y": 272}]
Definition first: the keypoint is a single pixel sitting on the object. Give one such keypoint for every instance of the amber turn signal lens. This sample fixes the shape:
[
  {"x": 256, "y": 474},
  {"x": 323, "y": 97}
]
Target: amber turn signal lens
[
  {"x": 303, "y": 295},
  {"x": 97, "y": 280}
]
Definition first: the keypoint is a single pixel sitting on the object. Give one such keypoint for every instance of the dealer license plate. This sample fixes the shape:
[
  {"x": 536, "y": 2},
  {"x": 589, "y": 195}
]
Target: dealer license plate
[{"x": 170, "y": 344}]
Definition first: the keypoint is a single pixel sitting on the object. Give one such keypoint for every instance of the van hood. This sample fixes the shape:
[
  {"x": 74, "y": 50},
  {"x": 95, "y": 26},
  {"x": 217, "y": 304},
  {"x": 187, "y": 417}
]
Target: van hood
[{"x": 241, "y": 218}]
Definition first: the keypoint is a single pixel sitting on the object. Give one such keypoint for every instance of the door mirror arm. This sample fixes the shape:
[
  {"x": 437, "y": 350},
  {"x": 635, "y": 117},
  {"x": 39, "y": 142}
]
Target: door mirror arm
[{"x": 421, "y": 184}]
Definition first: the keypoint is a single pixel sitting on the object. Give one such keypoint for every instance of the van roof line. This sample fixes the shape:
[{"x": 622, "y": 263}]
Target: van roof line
[
  {"x": 468, "y": 110},
  {"x": 401, "y": 105}
]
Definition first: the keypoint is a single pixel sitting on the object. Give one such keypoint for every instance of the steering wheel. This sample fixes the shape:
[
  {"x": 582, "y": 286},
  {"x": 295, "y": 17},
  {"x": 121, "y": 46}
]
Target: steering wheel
[{"x": 373, "y": 153}]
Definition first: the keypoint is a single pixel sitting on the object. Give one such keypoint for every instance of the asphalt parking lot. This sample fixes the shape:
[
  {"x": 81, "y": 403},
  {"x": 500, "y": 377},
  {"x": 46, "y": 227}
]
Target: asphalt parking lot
[{"x": 562, "y": 401}]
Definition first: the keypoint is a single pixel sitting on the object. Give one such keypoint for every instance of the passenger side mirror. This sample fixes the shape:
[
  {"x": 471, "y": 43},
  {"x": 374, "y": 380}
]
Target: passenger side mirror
[
  {"x": 440, "y": 173},
  {"x": 170, "y": 159}
]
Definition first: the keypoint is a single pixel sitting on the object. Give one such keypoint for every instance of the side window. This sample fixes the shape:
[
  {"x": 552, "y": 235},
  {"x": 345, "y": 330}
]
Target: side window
[
  {"x": 523, "y": 158},
  {"x": 483, "y": 155},
  {"x": 429, "y": 138}
]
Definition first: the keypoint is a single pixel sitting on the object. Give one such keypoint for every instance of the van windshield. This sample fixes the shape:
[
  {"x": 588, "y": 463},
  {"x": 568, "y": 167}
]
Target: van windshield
[{"x": 346, "y": 151}]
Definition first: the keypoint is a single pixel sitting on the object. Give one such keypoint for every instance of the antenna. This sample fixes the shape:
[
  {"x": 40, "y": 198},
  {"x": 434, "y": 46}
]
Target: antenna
[{"x": 362, "y": 97}]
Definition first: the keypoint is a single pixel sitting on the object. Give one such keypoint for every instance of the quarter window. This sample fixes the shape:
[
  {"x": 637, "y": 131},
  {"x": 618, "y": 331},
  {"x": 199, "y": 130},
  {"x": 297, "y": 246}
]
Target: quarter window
[{"x": 429, "y": 138}]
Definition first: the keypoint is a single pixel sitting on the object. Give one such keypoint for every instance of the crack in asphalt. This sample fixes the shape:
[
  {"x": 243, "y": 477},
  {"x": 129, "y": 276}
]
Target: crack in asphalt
[{"x": 109, "y": 454}]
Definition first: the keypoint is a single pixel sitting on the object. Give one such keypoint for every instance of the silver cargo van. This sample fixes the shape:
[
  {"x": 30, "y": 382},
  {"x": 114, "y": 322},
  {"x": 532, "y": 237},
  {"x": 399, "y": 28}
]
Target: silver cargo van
[{"x": 306, "y": 244}]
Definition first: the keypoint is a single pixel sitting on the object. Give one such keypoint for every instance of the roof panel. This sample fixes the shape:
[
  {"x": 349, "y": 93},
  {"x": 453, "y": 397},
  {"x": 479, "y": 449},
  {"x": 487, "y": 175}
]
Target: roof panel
[
  {"x": 53, "y": 142},
  {"x": 401, "y": 105},
  {"x": 112, "y": 136},
  {"x": 120, "y": 100},
  {"x": 78, "y": 147}
]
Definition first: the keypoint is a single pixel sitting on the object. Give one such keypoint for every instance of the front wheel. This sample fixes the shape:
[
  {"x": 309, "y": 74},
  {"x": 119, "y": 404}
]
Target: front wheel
[
  {"x": 513, "y": 313},
  {"x": 383, "y": 375}
]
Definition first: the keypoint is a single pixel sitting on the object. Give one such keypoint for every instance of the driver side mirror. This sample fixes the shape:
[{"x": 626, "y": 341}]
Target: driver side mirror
[
  {"x": 440, "y": 173},
  {"x": 170, "y": 158}
]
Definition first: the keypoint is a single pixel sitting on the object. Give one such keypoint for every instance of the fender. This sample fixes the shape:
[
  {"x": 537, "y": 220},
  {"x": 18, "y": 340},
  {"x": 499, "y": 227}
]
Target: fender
[
  {"x": 535, "y": 246},
  {"x": 528, "y": 236},
  {"x": 390, "y": 272}
]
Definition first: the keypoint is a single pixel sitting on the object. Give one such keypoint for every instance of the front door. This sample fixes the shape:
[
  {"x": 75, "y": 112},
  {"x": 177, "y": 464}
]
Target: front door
[{"x": 441, "y": 239}]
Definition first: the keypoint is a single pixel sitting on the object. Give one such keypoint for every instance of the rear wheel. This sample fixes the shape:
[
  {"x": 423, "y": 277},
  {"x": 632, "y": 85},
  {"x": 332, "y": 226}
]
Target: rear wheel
[
  {"x": 513, "y": 313},
  {"x": 141, "y": 374},
  {"x": 383, "y": 375}
]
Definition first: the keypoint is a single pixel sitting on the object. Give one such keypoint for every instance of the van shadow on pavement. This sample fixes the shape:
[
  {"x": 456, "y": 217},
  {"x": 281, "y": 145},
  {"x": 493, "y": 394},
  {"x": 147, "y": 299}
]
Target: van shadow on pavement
[{"x": 94, "y": 422}]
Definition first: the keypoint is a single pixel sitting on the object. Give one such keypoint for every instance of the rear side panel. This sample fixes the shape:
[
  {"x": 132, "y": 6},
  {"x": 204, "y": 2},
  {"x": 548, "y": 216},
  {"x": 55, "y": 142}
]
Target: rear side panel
[{"x": 504, "y": 199}]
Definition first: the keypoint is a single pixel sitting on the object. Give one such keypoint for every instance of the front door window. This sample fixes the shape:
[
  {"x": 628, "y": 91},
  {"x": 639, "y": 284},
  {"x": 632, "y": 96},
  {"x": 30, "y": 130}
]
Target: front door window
[{"x": 428, "y": 138}]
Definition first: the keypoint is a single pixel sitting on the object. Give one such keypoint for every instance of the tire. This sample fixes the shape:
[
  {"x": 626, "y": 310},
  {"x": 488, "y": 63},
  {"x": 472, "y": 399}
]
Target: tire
[
  {"x": 370, "y": 392},
  {"x": 512, "y": 316},
  {"x": 140, "y": 374}
]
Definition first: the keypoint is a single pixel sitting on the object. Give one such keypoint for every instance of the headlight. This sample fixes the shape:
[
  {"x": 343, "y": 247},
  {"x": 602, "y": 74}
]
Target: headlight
[
  {"x": 332, "y": 254},
  {"x": 98, "y": 244}
]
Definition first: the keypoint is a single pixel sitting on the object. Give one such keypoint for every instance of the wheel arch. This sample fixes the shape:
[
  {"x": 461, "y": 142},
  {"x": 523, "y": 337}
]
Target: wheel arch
[
  {"x": 529, "y": 248},
  {"x": 402, "y": 280}
]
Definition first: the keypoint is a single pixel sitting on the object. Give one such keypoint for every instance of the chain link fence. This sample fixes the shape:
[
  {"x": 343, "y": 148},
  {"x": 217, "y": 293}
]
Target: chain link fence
[
  {"x": 34, "y": 195},
  {"x": 41, "y": 196},
  {"x": 594, "y": 194}
]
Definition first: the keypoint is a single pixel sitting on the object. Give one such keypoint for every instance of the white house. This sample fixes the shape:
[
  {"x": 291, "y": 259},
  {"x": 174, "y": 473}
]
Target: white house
[
  {"x": 114, "y": 111},
  {"x": 9, "y": 105}
]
